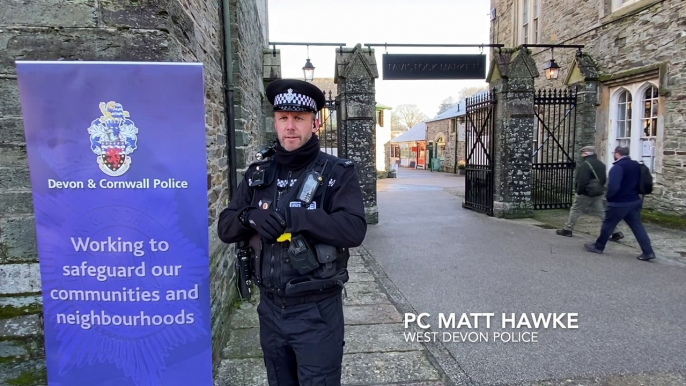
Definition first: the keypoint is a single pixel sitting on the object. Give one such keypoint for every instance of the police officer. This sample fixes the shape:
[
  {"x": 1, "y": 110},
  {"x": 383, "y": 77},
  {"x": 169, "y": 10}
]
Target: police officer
[{"x": 302, "y": 210}]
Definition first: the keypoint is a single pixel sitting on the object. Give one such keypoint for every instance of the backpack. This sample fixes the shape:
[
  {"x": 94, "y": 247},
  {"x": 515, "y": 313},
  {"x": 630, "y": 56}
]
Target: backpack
[
  {"x": 645, "y": 183},
  {"x": 594, "y": 188}
]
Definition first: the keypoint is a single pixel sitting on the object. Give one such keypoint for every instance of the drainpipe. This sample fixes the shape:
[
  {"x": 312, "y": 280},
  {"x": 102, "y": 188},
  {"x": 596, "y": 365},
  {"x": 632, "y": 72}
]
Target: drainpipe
[
  {"x": 457, "y": 135},
  {"x": 228, "y": 89}
]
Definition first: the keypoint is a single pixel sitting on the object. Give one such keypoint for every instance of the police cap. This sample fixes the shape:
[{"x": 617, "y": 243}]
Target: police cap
[{"x": 295, "y": 95}]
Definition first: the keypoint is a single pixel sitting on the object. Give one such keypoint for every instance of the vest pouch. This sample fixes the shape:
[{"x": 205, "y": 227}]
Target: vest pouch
[
  {"x": 301, "y": 255},
  {"x": 326, "y": 256}
]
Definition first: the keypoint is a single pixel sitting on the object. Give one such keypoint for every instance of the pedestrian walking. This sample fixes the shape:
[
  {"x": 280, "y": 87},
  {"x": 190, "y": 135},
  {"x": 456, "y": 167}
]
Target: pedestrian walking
[
  {"x": 589, "y": 191},
  {"x": 624, "y": 203}
]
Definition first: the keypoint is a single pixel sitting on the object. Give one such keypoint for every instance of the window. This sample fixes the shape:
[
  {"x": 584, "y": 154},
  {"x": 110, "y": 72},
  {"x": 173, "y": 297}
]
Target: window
[
  {"x": 624, "y": 119},
  {"x": 617, "y": 4},
  {"x": 379, "y": 119},
  {"x": 534, "y": 22},
  {"x": 635, "y": 128},
  {"x": 395, "y": 150},
  {"x": 649, "y": 126},
  {"x": 451, "y": 125},
  {"x": 525, "y": 21},
  {"x": 529, "y": 21}
]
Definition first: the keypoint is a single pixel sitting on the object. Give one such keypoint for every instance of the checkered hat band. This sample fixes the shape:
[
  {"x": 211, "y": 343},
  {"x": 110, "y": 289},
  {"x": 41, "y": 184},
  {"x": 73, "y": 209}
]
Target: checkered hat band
[
  {"x": 291, "y": 108},
  {"x": 294, "y": 99}
]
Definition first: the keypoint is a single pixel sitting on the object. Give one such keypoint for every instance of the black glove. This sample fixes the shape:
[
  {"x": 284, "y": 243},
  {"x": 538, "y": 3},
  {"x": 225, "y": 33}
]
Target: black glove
[{"x": 267, "y": 223}]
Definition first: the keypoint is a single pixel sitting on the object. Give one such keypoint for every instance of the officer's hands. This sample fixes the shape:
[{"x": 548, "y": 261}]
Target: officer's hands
[{"x": 268, "y": 223}]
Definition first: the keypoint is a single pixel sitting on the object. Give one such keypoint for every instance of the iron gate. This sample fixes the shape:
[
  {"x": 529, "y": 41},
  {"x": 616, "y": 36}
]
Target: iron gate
[
  {"x": 553, "y": 156},
  {"x": 479, "y": 140},
  {"x": 328, "y": 127}
]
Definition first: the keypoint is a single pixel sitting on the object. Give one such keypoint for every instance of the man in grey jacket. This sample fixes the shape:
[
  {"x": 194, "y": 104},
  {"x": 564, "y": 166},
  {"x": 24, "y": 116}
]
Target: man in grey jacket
[{"x": 591, "y": 168}]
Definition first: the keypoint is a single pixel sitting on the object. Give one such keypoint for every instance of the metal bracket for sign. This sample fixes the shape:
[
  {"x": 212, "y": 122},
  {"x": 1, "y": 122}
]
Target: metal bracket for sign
[
  {"x": 274, "y": 44},
  {"x": 494, "y": 45},
  {"x": 551, "y": 46}
]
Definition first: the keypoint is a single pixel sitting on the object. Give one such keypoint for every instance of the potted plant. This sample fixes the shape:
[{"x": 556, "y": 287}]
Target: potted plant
[{"x": 461, "y": 166}]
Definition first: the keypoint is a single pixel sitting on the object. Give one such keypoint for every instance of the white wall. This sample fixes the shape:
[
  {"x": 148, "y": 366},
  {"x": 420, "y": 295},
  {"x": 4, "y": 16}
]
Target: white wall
[{"x": 383, "y": 135}]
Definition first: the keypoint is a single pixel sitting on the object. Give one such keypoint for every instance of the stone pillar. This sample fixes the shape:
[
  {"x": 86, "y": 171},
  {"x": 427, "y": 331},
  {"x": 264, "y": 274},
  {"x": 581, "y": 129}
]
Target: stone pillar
[
  {"x": 271, "y": 72},
  {"x": 355, "y": 74},
  {"x": 512, "y": 76},
  {"x": 271, "y": 65},
  {"x": 584, "y": 76}
]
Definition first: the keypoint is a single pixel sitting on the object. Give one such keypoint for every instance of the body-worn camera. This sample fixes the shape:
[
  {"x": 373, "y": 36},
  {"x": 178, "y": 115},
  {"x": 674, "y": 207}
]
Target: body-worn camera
[
  {"x": 301, "y": 255},
  {"x": 309, "y": 187}
]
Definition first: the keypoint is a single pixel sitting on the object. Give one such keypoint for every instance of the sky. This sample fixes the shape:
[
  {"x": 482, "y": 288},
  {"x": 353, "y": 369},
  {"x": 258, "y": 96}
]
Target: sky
[{"x": 381, "y": 21}]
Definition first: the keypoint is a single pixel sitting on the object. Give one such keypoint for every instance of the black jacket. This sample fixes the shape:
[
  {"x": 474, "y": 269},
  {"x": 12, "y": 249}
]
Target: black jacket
[
  {"x": 625, "y": 176},
  {"x": 584, "y": 174},
  {"x": 340, "y": 222}
]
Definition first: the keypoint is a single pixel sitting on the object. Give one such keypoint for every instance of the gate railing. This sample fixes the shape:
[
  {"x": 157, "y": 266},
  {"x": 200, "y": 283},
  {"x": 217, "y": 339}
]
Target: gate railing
[
  {"x": 328, "y": 127},
  {"x": 553, "y": 161},
  {"x": 480, "y": 145}
]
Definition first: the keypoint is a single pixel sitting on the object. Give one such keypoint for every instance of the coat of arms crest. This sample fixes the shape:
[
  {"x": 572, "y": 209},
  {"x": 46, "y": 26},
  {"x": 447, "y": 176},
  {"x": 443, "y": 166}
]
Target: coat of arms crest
[{"x": 113, "y": 139}]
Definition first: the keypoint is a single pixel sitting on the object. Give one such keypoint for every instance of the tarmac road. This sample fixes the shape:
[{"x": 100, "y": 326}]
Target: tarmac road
[{"x": 446, "y": 259}]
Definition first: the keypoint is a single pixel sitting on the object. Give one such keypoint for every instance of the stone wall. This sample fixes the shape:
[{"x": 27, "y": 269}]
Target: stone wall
[
  {"x": 144, "y": 30},
  {"x": 247, "y": 43},
  {"x": 623, "y": 43}
]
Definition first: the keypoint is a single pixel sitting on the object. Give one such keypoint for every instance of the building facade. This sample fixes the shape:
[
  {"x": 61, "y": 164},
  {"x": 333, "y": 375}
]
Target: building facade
[
  {"x": 382, "y": 135},
  {"x": 445, "y": 136},
  {"x": 409, "y": 148},
  {"x": 637, "y": 48}
]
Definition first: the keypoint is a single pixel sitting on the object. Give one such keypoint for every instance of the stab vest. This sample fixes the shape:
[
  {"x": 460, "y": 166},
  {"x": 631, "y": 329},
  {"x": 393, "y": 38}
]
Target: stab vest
[{"x": 273, "y": 268}]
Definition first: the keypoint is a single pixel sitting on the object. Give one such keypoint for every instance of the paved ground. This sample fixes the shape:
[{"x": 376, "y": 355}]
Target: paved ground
[
  {"x": 444, "y": 259},
  {"x": 429, "y": 255},
  {"x": 375, "y": 353}
]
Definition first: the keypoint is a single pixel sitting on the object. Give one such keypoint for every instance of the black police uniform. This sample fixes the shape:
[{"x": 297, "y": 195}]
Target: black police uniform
[{"x": 300, "y": 281}]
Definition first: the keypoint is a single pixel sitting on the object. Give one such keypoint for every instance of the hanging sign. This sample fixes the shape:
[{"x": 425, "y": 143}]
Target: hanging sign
[{"x": 409, "y": 66}]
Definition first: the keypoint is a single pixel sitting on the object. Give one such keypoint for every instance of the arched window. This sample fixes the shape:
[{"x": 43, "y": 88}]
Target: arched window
[
  {"x": 649, "y": 126},
  {"x": 624, "y": 119},
  {"x": 635, "y": 125}
]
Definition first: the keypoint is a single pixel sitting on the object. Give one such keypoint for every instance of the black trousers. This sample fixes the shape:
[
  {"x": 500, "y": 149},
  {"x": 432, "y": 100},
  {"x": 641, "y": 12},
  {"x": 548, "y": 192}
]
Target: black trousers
[
  {"x": 302, "y": 344},
  {"x": 632, "y": 216}
]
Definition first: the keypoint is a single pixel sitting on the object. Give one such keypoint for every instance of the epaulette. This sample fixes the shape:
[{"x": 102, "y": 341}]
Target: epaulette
[
  {"x": 346, "y": 163},
  {"x": 260, "y": 163}
]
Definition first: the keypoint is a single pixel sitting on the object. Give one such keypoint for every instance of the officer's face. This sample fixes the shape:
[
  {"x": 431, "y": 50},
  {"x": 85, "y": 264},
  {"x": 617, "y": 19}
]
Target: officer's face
[{"x": 294, "y": 128}]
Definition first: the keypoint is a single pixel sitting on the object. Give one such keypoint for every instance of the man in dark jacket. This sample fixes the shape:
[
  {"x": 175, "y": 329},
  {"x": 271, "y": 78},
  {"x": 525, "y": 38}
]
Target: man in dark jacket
[
  {"x": 624, "y": 203},
  {"x": 591, "y": 168},
  {"x": 301, "y": 211}
]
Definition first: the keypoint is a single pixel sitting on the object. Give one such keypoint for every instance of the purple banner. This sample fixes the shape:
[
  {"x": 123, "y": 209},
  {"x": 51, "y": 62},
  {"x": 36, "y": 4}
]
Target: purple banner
[{"x": 118, "y": 170}]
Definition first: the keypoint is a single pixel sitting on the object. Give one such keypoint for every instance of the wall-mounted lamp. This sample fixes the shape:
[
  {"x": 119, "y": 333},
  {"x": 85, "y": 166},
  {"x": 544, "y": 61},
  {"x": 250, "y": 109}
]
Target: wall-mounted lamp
[
  {"x": 552, "y": 69},
  {"x": 308, "y": 68}
]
